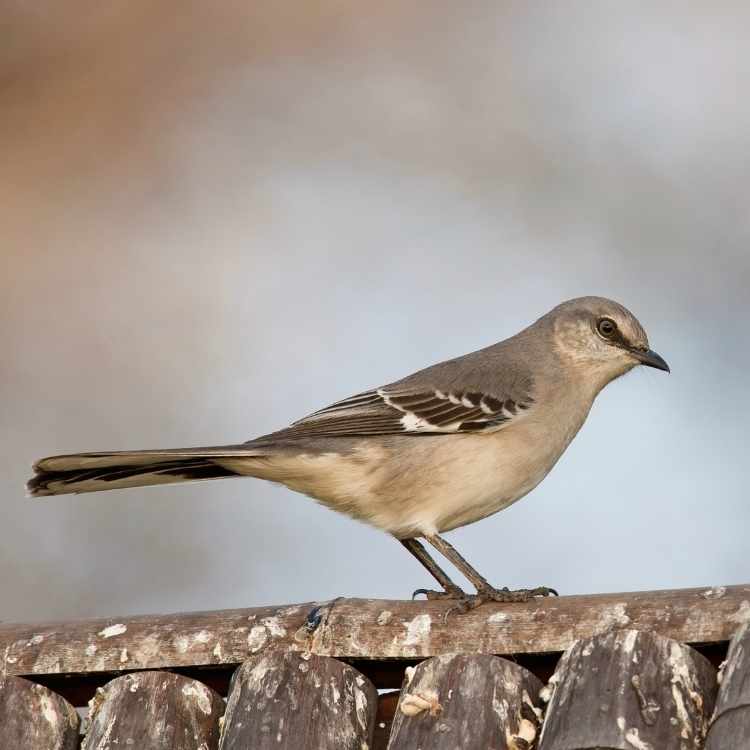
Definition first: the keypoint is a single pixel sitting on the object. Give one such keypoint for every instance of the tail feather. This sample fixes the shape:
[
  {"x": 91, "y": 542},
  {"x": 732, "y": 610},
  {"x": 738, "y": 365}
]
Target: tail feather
[{"x": 94, "y": 472}]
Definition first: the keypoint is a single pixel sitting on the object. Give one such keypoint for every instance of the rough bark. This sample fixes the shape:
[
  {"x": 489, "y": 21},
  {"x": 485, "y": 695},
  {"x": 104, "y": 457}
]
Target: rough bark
[
  {"x": 154, "y": 711},
  {"x": 362, "y": 629},
  {"x": 289, "y": 701},
  {"x": 730, "y": 726},
  {"x": 629, "y": 690},
  {"x": 476, "y": 701},
  {"x": 33, "y": 717}
]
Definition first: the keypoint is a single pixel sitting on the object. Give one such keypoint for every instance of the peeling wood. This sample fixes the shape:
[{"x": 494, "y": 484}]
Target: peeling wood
[
  {"x": 477, "y": 701},
  {"x": 364, "y": 629},
  {"x": 31, "y": 716},
  {"x": 288, "y": 700},
  {"x": 730, "y": 726},
  {"x": 629, "y": 690},
  {"x": 154, "y": 710}
]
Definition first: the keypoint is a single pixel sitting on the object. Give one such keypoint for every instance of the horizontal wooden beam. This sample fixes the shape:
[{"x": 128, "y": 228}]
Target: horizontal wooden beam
[{"x": 363, "y": 629}]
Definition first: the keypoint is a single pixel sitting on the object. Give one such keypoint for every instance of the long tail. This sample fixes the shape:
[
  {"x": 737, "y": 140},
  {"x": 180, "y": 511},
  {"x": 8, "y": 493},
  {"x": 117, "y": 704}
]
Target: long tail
[{"x": 94, "y": 472}]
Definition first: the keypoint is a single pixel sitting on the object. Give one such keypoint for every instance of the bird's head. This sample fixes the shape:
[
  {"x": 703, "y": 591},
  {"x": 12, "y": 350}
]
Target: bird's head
[{"x": 601, "y": 337}]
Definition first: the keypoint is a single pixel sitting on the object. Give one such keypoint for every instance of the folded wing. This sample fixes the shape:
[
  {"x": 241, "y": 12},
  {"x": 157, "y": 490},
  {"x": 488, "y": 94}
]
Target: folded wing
[{"x": 394, "y": 410}]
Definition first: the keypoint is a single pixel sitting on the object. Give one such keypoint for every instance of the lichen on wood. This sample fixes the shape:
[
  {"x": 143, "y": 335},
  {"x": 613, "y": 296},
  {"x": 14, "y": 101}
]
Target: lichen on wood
[
  {"x": 152, "y": 711},
  {"x": 289, "y": 700},
  {"x": 363, "y": 629},
  {"x": 474, "y": 700},
  {"x": 629, "y": 690},
  {"x": 31, "y": 716}
]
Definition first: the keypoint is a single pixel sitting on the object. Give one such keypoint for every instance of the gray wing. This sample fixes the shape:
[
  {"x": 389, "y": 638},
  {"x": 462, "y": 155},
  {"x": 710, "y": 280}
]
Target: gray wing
[
  {"x": 397, "y": 410},
  {"x": 480, "y": 392}
]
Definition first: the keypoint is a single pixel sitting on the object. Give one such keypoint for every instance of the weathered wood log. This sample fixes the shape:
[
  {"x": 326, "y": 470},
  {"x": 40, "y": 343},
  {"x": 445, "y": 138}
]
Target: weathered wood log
[
  {"x": 479, "y": 701},
  {"x": 730, "y": 726},
  {"x": 153, "y": 711},
  {"x": 362, "y": 629},
  {"x": 627, "y": 690},
  {"x": 33, "y": 717},
  {"x": 293, "y": 701}
]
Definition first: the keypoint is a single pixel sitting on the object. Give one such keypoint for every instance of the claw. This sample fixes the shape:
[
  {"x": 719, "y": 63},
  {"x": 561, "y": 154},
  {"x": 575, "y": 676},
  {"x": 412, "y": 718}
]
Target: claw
[
  {"x": 431, "y": 595},
  {"x": 468, "y": 602},
  {"x": 461, "y": 607},
  {"x": 543, "y": 591}
]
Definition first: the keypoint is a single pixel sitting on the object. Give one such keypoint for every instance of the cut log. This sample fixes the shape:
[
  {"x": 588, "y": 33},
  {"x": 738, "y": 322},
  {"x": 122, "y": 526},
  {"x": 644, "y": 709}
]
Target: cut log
[
  {"x": 475, "y": 701},
  {"x": 295, "y": 701},
  {"x": 626, "y": 690},
  {"x": 730, "y": 726},
  {"x": 153, "y": 711},
  {"x": 31, "y": 716}
]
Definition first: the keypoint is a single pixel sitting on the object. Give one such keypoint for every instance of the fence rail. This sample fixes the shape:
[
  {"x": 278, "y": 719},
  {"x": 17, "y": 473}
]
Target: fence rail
[{"x": 639, "y": 670}]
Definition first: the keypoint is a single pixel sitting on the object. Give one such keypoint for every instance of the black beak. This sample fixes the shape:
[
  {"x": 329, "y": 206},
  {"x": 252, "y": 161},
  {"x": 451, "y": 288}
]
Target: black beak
[{"x": 650, "y": 358}]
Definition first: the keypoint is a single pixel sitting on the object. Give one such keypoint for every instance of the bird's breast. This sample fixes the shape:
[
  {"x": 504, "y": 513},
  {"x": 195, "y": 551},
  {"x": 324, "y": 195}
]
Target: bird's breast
[{"x": 478, "y": 475}]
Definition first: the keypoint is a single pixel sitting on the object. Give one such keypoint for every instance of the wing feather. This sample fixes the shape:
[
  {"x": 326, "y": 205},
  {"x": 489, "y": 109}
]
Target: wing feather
[{"x": 414, "y": 411}]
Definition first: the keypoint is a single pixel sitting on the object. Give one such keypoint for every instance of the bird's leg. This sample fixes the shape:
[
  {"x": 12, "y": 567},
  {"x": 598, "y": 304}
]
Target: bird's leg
[
  {"x": 485, "y": 591},
  {"x": 450, "y": 590}
]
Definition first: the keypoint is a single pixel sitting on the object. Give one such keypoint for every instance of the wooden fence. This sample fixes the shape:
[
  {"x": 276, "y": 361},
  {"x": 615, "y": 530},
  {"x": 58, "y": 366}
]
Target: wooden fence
[{"x": 637, "y": 672}]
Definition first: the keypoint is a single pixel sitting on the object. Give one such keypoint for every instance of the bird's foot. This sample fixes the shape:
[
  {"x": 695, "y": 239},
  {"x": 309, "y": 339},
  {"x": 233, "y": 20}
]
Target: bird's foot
[
  {"x": 519, "y": 595},
  {"x": 471, "y": 601},
  {"x": 453, "y": 594}
]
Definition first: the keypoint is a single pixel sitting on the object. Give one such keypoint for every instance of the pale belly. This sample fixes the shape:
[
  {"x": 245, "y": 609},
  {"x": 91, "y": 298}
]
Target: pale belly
[
  {"x": 458, "y": 485},
  {"x": 416, "y": 486}
]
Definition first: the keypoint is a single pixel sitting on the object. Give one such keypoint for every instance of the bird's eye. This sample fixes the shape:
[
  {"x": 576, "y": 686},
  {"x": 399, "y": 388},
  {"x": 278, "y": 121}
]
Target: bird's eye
[{"x": 606, "y": 327}]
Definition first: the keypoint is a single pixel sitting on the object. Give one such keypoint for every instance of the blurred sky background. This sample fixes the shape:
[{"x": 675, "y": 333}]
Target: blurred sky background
[{"x": 218, "y": 217}]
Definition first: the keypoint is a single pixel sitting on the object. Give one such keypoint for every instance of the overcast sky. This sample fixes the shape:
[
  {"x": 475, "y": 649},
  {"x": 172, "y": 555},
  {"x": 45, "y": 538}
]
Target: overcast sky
[{"x": 217, "y": 218}]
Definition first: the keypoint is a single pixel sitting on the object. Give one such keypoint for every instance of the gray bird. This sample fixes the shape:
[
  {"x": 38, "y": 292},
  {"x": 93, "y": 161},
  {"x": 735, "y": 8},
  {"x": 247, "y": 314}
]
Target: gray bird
[{"x": 442, "y": 448}]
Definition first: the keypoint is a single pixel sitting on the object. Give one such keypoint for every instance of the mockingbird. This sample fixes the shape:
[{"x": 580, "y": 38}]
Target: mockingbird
[{"x": 444, "y": 447}]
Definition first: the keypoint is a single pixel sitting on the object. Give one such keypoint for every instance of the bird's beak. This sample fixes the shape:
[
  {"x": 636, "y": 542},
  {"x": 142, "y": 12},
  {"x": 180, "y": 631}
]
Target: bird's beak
[{"x": 650, "y": 358}]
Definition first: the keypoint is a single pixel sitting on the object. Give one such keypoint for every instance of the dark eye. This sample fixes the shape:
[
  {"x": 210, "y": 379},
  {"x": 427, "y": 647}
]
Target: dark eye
[{"x": 606, "y": 327}]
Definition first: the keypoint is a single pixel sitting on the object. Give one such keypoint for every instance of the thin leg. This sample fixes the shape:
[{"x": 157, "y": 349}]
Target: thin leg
[
  {"x": 449, "y": 552},
  {"x": 450, "y": 589},
  {"x": 485, "y": 591}
]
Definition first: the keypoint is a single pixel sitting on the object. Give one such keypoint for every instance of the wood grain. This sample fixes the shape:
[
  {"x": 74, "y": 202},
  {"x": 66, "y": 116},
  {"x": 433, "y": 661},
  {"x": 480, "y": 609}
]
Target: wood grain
[
  {"x": 153, "y": 711},
  {"x": 730, "y": 727},
  {"x": 284, "y": 700},
  {"x": 469, "y": 701},
  {"x": 362, "y": 629},
  {"x": 629, "y": 689},
  {"x": 33, "y": 717}
]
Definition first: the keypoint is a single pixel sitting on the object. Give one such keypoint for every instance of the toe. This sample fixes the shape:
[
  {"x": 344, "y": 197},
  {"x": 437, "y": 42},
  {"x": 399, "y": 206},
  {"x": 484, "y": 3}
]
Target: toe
[
  {"x": 435, "y": 595},
  {"x": 462, "y": 606},
  {"x": 543, "y": 591}
]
